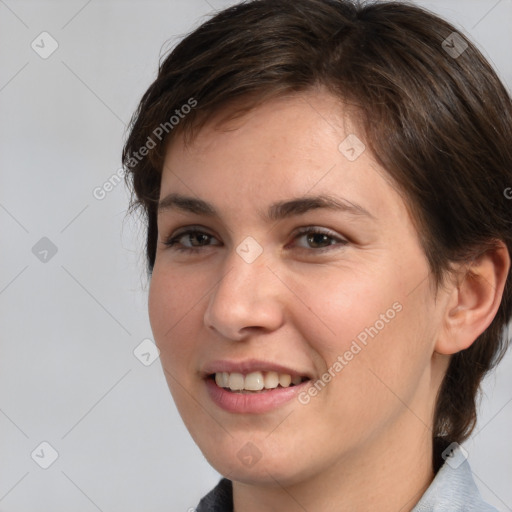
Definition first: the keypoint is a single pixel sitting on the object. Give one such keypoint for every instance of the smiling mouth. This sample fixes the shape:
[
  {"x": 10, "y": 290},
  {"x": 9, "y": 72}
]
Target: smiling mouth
[{"x": 255, "y": 382}]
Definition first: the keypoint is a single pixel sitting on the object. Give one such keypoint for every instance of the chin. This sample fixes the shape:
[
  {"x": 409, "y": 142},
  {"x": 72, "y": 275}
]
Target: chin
[{"x": 250, "y": 465}]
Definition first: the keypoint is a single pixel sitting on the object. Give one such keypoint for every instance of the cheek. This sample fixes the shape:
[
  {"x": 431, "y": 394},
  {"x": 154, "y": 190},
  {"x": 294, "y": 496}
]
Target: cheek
[
  {"x": 367, "y": 326},
  {"x": 344, "y": 304},
  {"x": 173, "y": 304}
]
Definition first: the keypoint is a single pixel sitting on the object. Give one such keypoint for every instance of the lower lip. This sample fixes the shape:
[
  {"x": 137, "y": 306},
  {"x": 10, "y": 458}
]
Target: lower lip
[{"x": 255, "y": 403}]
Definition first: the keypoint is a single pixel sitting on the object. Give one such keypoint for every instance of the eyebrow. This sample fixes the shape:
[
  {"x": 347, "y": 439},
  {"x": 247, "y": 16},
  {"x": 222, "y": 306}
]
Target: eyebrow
[{"x": 276, "y": 211}]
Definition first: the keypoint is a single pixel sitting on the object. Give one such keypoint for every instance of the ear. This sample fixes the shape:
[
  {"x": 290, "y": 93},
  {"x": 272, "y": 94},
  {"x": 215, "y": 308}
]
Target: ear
[{"x": 474, "y": 300}]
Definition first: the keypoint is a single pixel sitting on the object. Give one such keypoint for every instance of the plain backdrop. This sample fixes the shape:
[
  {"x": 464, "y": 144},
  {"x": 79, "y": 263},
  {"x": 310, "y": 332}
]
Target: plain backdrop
[{"x": 73, "y": 291}]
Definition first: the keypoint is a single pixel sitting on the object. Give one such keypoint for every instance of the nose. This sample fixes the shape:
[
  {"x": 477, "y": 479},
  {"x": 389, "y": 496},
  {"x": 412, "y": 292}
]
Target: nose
[{"x": 248, "y": 298}]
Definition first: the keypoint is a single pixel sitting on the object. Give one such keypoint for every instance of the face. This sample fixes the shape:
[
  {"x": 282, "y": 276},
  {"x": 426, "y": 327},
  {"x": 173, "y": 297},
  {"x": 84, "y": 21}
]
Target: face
[{"x": 337, "y": 298}]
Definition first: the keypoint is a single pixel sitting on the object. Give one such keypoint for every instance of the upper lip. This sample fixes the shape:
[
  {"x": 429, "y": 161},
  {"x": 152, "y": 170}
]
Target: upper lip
[{"x": 246, "y": 366}]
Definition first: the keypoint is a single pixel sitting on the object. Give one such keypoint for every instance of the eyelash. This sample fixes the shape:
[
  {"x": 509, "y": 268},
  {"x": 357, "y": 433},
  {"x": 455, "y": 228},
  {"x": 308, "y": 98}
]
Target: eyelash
[{"x": 172, "y": 241}]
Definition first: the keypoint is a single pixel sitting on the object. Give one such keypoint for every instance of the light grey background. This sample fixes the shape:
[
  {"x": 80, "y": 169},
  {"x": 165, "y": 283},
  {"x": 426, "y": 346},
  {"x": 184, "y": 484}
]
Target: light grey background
[{"x": 68, "y": 375}]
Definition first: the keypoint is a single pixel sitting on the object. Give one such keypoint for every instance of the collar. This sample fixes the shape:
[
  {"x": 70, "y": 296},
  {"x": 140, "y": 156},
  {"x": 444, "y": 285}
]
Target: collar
[{"x": 453, "y": 488}]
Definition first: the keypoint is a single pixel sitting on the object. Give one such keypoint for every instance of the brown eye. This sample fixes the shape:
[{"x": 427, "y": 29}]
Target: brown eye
[
  {"x": 196, "y": 238},
  {"x": 319, "y": 239}
]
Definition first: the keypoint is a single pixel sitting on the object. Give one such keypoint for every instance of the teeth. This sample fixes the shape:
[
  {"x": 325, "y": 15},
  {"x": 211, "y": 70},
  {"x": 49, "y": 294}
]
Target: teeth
[
  {"x": 236, "y": 381},
  {"x": 285, "y": 380},
  {"x": 255, "y": 381},
  {"x": 271, "y": 380},
  {"x": 222, "y": 379}
]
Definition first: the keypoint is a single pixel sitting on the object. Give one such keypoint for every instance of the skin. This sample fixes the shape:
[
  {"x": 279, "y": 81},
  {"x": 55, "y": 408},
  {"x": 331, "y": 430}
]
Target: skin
[{"x": 364, "y": 442}]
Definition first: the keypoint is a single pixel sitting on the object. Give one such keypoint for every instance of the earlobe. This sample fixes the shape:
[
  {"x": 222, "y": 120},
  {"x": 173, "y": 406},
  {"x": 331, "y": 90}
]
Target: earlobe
[{"x": 474, "y": 300}]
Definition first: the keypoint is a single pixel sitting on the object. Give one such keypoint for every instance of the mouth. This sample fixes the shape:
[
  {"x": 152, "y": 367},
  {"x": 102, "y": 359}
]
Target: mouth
[
  {"x": 255, "y": 382},
  {"x": 253, "y": 386}
]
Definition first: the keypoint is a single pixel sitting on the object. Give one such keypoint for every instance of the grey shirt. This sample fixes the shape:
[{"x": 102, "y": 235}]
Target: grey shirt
[{"x": 452, "y": 490}]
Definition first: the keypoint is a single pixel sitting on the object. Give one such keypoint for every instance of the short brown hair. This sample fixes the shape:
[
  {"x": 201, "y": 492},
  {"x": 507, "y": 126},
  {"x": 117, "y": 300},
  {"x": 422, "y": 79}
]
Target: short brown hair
[{"x": 435, "y": 115}]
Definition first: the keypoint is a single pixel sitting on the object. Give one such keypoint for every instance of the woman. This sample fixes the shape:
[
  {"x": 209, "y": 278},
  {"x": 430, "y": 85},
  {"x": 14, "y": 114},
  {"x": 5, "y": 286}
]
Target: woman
[{"x": 329, "y": 241}]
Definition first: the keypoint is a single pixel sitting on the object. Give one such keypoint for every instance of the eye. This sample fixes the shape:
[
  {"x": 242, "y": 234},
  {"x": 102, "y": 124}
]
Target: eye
[
  {"x": 318, "y": 239},
  {"x": 192, "y": 235}
]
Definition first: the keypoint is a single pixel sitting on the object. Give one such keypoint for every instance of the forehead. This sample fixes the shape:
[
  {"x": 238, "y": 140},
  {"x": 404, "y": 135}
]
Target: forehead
[{"x": 286, "y": 147}]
